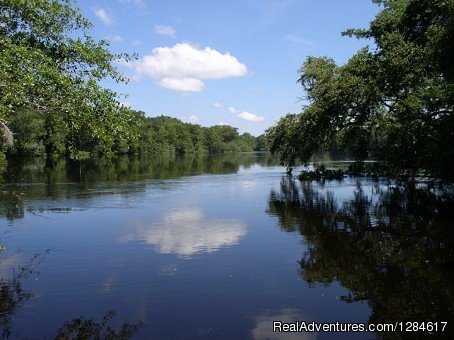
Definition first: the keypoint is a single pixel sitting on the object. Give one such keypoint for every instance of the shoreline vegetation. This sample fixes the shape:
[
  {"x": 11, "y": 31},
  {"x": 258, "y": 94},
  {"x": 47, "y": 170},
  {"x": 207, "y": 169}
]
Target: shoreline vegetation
[
  {"x": 154, "y": 135},
  {"x": 392, "y": 101},
  {"x": 369, "y": 169}
]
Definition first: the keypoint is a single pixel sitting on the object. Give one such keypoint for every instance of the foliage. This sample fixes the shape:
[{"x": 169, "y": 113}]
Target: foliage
[
  {"x": 170, "y": 135},
  {"x": 285, "y": 138},
  {"x": 50, "y": 70},
  {"x": 321, "y": 174},
  {"x": 262, "y": 143},
  {"x": 393, "y": 102}
]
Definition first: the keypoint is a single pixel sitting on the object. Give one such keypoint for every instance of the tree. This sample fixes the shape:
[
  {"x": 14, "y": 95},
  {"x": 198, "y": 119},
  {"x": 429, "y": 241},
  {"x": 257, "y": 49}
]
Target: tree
[
  {"x": 393, "y": 102},
  {"x": 51, "y": 67},
  {"x": 261, "y": 144}
]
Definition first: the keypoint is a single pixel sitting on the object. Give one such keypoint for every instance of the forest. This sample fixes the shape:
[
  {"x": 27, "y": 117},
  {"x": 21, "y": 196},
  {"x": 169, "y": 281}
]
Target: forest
[{"x": 146, "y": 135}]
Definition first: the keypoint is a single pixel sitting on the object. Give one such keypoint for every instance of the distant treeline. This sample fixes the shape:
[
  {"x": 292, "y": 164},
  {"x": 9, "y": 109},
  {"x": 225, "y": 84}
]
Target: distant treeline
[{"x": 34, "y": 137}]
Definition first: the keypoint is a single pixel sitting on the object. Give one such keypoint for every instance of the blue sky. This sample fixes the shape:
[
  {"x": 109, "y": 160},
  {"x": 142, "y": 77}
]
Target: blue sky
[{"x": 229, "y": 62}]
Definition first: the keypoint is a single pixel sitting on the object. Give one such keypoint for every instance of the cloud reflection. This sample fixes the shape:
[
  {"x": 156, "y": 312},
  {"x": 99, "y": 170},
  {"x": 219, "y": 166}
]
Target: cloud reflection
[
  {"x": 187, "y": 232},
  {"x": 264, "y": 326}
]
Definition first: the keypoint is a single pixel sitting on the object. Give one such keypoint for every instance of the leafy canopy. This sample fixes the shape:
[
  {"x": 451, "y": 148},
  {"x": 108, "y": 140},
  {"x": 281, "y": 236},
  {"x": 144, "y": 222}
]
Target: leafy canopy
[
  {"x": 392, "y": 102},
  {"x": 51, "y": 67}
]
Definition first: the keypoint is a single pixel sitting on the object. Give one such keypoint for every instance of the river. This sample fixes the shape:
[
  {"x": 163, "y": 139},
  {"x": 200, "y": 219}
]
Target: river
[{"x": 217, "y": 247}]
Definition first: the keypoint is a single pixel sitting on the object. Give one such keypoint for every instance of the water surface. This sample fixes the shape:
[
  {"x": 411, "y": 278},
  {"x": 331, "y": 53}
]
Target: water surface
[{"x": 216, "y": 247}]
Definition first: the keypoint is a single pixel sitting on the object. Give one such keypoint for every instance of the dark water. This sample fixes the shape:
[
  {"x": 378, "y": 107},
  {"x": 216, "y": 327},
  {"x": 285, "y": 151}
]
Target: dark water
[{"x": 217, "y": 248}]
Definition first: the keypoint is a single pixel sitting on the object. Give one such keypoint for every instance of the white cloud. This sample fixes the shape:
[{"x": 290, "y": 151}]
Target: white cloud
[
  {"x": 233, "y": 110},
  {"x": 217, "y": 104},
  {"x": 108, "y": 285},
  {"x": 182, "y": 85},
  {"x": 187, "y": 232},
  {"x": 10, "y": 261},
  {"x": 137, "y": 42},
  {"x": 264, "y": 326},
  {"x": 271, "y": 10},
  {"x": 298, "y": 40},
  {"x": 164, "y": 30},
  {"x": 117, "y": 38},
  {"x": 250, "y": 116},
  {"x": 245, "y": 115},
  {"x": 137, "y": 3},
  {"x": 183, "y": 66},
  {"x": 190, "y": 119},
  {"x": 193, "y": 119},
  {"x": 104, "y": 16}
]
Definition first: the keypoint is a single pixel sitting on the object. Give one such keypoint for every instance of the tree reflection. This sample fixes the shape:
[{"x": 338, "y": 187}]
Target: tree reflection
[
  {"x": 81, "y": 328},
  {"x": 28, "y": 180},
  {"x": 12, "y": 295},
  {"x": 392, "y": 247},
  {"x": 126, "y": 168}
]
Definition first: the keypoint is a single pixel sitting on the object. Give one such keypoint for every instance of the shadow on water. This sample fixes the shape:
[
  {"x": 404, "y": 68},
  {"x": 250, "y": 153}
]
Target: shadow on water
[{"x": 389, "y": 246}]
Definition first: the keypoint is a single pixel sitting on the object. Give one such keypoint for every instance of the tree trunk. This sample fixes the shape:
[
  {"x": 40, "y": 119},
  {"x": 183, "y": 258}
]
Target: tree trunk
[{"x": 6, "y": 133}]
